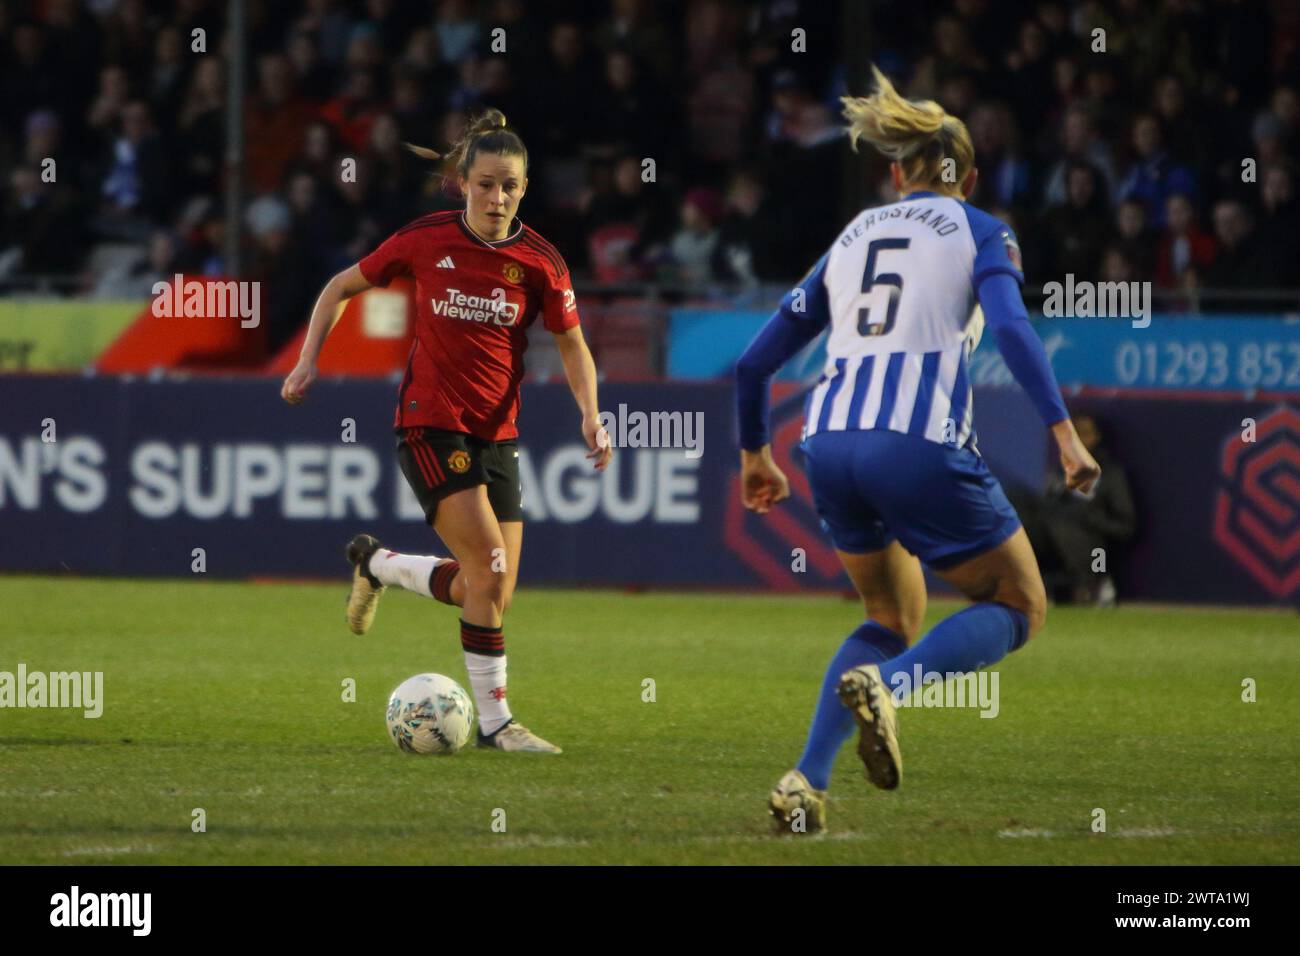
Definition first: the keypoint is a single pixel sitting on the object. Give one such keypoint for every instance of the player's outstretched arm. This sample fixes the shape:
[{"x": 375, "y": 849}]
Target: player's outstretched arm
[
  {"x": 580, "y": 370},
  {"x": 343, "y": 286},
  {"x": 800, "y": 318},
  {"x": 1022, "y": 350}
]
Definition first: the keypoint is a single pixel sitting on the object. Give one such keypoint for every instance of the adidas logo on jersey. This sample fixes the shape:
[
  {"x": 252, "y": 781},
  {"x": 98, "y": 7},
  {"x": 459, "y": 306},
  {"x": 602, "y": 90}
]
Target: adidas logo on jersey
[{"x": 446, "y": 263}]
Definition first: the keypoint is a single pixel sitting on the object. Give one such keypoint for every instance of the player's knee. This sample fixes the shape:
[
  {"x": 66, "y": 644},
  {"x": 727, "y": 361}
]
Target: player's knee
[
  {"x": 903, "y": 621},
  {"x": 486, "y": 586},
  {"x": 1030, "y": 599}
]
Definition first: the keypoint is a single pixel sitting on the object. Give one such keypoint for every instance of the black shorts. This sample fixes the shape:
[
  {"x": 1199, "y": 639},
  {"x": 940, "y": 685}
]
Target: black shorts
[{"x": 438, "y": 463}]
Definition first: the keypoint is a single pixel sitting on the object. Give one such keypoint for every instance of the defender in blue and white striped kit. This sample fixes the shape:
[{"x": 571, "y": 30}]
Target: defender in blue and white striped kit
[
  {"x": 889, "y": 435},
  {"x": 898, "y": 361}
]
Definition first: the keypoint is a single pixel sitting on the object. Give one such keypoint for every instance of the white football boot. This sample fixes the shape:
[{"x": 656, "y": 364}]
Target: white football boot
[
  {"x": 862, "y": 690},
  {"x": 514, "y": 737},
  {"x": 795, "y": 806}
]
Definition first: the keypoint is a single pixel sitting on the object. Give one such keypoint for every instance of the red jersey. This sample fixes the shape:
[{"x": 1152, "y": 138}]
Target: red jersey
[{"x": 475, "y": 300}]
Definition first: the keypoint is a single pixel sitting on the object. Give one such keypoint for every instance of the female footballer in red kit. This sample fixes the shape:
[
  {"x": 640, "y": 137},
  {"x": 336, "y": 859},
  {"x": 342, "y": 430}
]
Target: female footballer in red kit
[{"x": 481, "y": 277}]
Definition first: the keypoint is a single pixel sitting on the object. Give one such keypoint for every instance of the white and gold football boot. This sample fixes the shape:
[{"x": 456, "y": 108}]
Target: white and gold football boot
[
  {"x": 363, "y": 600},
  {"x": 514, "y": 737},
  {"x": 863, "y": 691},
  {"x": 795, "y": 806}
]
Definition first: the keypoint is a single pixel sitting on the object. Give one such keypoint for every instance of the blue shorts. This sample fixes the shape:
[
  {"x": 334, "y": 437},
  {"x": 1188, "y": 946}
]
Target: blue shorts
[{"x": 940, "y": 502}]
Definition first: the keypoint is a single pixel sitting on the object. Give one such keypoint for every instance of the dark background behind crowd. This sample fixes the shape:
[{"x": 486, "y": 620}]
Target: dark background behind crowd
[{"x": 1122, "y": 165}]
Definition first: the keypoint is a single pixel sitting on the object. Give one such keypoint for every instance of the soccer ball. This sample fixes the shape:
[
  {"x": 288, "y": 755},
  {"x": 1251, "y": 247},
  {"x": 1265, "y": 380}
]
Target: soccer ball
[{"x": 430, "y": 714}]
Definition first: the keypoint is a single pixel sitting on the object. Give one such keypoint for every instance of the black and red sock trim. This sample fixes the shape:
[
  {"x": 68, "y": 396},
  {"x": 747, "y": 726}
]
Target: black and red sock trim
[
  {"x": 440, "y": 581},
  {"x": 488, "y": 641}
]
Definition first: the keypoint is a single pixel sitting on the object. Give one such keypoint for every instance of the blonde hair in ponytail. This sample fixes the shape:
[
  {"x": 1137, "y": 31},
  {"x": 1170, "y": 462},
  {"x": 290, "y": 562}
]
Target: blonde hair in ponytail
[
  {"x": 487, "y": 133},
  {"x": 917, "y": 134}
]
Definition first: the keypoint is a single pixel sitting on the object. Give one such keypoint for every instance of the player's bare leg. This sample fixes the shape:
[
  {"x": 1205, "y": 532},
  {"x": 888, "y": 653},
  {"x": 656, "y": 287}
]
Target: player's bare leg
[
  {"x": 1007, "y": 574},
  {"x": 513, "y": 533},
  {"x": 892, "y": 587},
  {"x": 466, "y": 523}
]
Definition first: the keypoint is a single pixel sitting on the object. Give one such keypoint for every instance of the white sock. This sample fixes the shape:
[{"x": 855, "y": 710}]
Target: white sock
[
  {"x": 410, "y": 571},
  {"x": 487, "y": 678}
]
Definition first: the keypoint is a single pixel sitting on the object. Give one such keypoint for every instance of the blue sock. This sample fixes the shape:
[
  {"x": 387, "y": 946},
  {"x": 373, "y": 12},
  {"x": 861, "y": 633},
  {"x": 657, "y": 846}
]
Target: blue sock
[
  {"x": 974, "y": 637},
  {"x": 871, "y": 643}
]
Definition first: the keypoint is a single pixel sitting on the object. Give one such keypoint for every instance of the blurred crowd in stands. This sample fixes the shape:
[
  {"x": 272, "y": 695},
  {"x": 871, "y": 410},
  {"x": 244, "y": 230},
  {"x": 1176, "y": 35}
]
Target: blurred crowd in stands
[{"x": 683, "y": 142}]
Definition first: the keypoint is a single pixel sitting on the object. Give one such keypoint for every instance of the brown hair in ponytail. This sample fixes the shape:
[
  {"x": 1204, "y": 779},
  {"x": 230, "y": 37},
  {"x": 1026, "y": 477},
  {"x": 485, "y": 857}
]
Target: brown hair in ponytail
[{"x": 487, "y": 133}]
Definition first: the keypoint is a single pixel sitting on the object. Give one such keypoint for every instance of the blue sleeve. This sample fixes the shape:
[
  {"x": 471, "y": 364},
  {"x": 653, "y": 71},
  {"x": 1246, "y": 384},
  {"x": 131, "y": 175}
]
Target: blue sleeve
[
  {"x": 802, "y": 315},
  {"x": 1021, "y": 348},
  {"x": 996, "y": 248}
]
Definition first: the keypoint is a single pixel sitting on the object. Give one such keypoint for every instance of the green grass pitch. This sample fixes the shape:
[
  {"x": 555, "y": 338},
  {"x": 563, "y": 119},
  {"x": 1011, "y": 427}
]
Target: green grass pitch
[{"x": 228, "y": 697}]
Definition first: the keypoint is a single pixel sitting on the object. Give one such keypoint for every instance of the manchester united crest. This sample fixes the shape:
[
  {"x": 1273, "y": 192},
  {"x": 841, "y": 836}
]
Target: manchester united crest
[
  {"x": 513, "y": 272},
  {"x": 458, "y": 461}
]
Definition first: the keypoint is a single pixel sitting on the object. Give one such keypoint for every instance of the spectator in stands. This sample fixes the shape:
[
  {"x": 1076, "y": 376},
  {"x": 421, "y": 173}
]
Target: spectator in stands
[
  {"x": 38, "y": 232},
  {"x": 1154, "y": 175},
  {"x": 1184, "y": 246},
  {"x": 748, "y": 247},
  {"x": 625, "y": 225},
  {"x": 805, "y": 151},
  {"x": 1276, "y": 229},
  {"x": 525, "y": 36},
  {"x": 634, "y": 26},
  {"x": 27, "y": 69},
  {"x": 696, "y": 243},
  {"x": 1135, "y": 242},
  {"x": 352, "y": 113},
  {"x": 1171, "y": 109},
  {"x": 43, "y": 140},
  {"x": 275, "y": 118},
  {"x": 632, "y": 111},
  {"x": 957, "y": 93},
  {"x": 1079, "y": 229},
  {"x": 1067, "y": 529},
  {"x": 952, "y": 53},
  {"x": 1004, "y": 178},
  {"x": 565, "y": 98},
  {"x": 722, "y": 96},
  {"x": 105, "y": 113},
  {"x": 1028, "y": 74},
  {"x": 331, "y": 25},
  {"x": 167, "y": 78},
  {"x": 136, "y": 178},
  {"x": 311, "y": 74},
  {"x": 457, "y": 30},
  {"x": 1116, "y": 266},
  {"x": 1238, "y": 264},
  {"x": 129, "y": 35},
  {"x": 1285, "y": 106},
  {"x": 1080, "y": 143},
  {"x": 137, "y": 280},
  {"x": 200, "y": 131}
]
